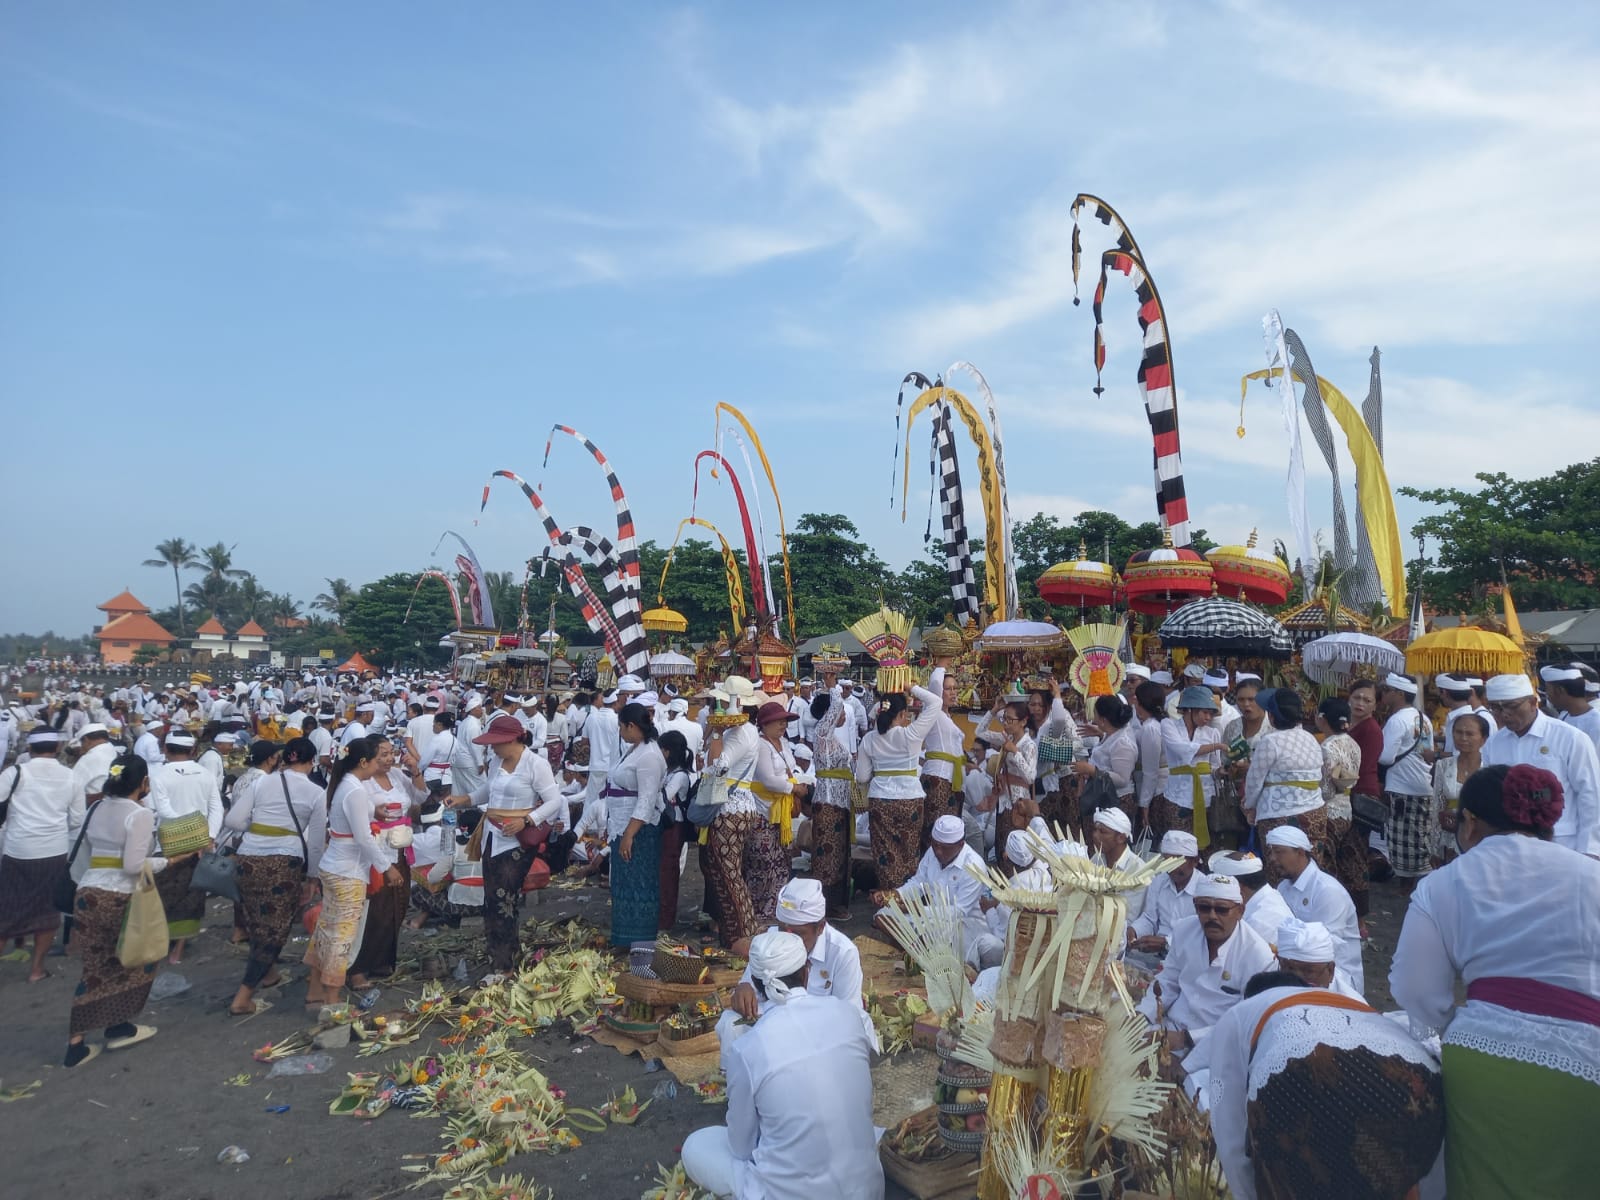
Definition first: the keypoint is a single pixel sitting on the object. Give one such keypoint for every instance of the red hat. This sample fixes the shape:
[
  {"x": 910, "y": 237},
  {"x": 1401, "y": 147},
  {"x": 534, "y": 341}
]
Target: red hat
[
  {"x": 773, "y": 711},
  {"x": 504, "y": 728}
]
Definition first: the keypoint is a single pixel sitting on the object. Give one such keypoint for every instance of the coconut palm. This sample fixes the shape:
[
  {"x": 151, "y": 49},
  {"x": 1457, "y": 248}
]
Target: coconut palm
[
  {"x": 217, "y": 561},
  {"x": 180, "y": 556},
  {"x": 335, "y": 598}
]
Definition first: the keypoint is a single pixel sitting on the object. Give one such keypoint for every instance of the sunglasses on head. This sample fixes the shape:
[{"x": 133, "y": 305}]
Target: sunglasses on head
[{"x": 1204, "y": 908}]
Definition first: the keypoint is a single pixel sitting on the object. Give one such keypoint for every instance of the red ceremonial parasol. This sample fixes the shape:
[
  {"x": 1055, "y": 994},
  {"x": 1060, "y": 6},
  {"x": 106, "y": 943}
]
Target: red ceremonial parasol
[
  {"x": 1157, "y": 581},
  {"x": 1079, "y": 582},
  {"x": 1250, "y": 573}
]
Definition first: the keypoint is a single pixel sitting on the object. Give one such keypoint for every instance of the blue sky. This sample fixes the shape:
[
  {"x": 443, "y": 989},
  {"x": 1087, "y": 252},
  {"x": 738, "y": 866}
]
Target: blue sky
[{"x": 300, "y": 276}]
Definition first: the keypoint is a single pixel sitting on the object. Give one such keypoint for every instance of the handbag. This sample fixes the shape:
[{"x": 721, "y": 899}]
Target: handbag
[
  {"x": 64, "y": 896},
  {"x": 305, "y": 851},
  {"x": 1370, "y": 812},
  {"x": 143, "y": 939},
  {"x": 1059, "y": 751},
  {"x": 1098, "y": 792},
  {"x": 217, "y": 873}
]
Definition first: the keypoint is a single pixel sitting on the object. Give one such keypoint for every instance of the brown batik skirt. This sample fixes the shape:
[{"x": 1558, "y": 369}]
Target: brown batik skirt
[
  {"x": 1346, "y": 1123},
  {"x": 831, "y": 827},
  {"x": 939, "y": 800},
  {"x": 269, "y": 901},
  {"x": 185, "y": 907},
  {"x": 739, "y": 854},
  {"x": 1005, "y": 824},
  {"x": 1350, "y": 860},
  {"x": 1166, "y": 816},
  {"x": 109, "y": 992},
  {"x": 1314, "y": 825},
  {"x": 895, "y": 826}
]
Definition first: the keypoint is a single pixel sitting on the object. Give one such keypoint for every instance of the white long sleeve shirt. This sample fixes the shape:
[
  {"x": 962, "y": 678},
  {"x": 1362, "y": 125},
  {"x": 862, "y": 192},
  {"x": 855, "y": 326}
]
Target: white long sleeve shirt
[
  {"x": 889, "y": 763},
  {"x": 529, "y": 785},
  {"x": 958, "y": 883},
  {"x": 835, "y": 971},
  {"x": 1512, "y": 906},
  {"x": 1181, "y": 751},
  {"x": 1409, "y": 774},
  {"x": 45, "y": 811},
  {"x": 800, "y": 1105},
  {"x": 1265, "y": 912},
  {"x": 180, "y": 788},
  {"x": 1568, "y": 754},
  {"x": 119, "y": 829},
  {"x": 262, "y": 806},
  {"x": 352, "y": 849},
  {"x": 634, "y": 789},
  {"x": 1283, "y": 759},
  {"x": 1197, "y": 989},
  {"x": 1164, "y": 907},
  {"x": 1318, "y": 896},
  {"x": 1152, "y": 764}
]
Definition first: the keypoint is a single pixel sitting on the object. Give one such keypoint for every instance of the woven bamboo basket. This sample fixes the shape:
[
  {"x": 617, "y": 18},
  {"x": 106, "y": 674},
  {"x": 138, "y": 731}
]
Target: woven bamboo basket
[
  {"x": 705, "y": 1043},
  {"x": 672, "y": 967},
  {"x": 639, "y": 1031},
  {"x": 659, "y": 992},
  {"x": 182, "y": 835}
]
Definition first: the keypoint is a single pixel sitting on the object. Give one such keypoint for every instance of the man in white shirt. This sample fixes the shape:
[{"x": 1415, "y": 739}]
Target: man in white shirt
[
  {"x": 1169, "y": 900},
  {"x": 535, "y": 722},
  {"x": 1217, "y": 681},
  {"x": 807, "y": 725},
  {"x": 1308, "y": 950},
  {"x": 357, "y": 728},
  {"x": 95, "y": 756},
  {"x": 944, "y": 866},
  {"x": 1112, "y": 833},
  {"x": 1457, "y": 696},
  {"x": 43, "y": 811},
  {"x": 604, "y": 748},
  {"x": 147, "y": 738},
  {"x": 1568, "y": 689},
  {"x": 799, "y": 1095},
  {"x": 419, "y": 728},
  {"x": 1407, "y": 778},
  {"x": 1313, "y": 895},
  {"x": 1264, "y": 909},
  {"x": 321, "y": 736},
  {"x": 1528, "y": 736},
  {"x": 693, "y": 735},
  {"x": 835, "y": 963},
  {"x": 1214, "y": 954}
]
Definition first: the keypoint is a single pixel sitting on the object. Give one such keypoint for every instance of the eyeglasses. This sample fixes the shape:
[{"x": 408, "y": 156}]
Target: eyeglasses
[
  {"x": 1204, "y": 909},
  {"x": 1506, "y": 705}
]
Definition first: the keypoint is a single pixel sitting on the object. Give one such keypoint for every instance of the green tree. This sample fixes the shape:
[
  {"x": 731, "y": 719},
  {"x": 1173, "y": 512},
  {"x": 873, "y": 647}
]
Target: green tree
[
  {"x": 697, "y": 585},
  {"x": 375, "y": 619},
  {"x": 838, "y": 579},
  {"x": 1042, "y": 541},
  {"x": 1539, "y": 535},
  {"x": 180, "y": 556}
]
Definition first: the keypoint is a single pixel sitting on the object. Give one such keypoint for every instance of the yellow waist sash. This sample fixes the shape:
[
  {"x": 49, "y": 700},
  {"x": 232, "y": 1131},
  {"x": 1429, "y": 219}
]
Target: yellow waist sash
[
  {"x": 111, "y": 861},
  {"x": 1197, "y": 771},
  {"x": 958, "y": 763},
  {"x": 1310, "y": 785},
  {"x": 782, "y": 811},
  {"x": 271, "y": 831},
  {"x": 912, "y": 771},
  {"x": 835, "y": 773}
]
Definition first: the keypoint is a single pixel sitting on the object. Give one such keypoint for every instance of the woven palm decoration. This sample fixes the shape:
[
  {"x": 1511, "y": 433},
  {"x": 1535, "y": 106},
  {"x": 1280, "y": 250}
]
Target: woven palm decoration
[
  {"x": 885, "y": 634},
  {"x": 1097, "y": 671}
]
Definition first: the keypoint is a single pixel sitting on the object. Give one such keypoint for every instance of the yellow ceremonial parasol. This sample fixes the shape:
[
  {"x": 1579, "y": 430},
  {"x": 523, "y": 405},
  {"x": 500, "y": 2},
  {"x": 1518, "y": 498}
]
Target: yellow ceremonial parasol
[
  {"x": 1464, "y": 650},
  {"x": 664, "y": 620}
]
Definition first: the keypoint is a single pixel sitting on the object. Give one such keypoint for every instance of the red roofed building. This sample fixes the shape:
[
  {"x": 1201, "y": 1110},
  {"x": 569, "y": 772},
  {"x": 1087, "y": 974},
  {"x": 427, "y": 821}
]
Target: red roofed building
[{"x": 128, "y": 628}]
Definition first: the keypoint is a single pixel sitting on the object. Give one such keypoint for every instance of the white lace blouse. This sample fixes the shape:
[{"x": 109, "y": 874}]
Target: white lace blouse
[{"x": 1511, "y": 906}]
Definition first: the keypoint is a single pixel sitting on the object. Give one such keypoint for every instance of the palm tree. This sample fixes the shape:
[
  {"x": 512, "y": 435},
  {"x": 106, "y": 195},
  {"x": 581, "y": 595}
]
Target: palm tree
[
  {"x": 180, "y": 556},
  {"x": 276, "y": 607},
  {"x": 250, "y": 597},
  {"x": 333, "y": 600},
  {"x": 218, "y": 562}
]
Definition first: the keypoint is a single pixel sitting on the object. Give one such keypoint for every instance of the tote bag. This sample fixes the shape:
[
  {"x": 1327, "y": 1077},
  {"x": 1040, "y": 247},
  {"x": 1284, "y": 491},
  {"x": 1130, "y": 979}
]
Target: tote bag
[{"x": 143, "y": 939}]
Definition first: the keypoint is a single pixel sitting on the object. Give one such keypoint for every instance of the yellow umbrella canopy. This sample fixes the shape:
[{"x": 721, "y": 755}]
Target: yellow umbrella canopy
[
  {"x": 664, "y": 620},
  {"x": 1464, "y": 649}
]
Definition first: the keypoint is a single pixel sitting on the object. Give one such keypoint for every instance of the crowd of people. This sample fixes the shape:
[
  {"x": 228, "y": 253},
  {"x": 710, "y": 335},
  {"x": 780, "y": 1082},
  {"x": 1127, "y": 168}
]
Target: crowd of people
[{"x": 361, "y": 806}]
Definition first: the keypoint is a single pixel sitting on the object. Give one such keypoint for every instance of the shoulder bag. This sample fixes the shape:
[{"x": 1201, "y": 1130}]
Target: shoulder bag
[
  {"x": 216, "y": 872},
  {"x": 143, "y": 939},
  {"x": 65, "y": 893}
]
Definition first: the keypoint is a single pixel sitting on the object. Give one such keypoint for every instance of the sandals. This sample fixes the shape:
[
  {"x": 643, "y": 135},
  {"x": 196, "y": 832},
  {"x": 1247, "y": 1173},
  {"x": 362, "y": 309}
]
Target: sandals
[
  {"x": 141, "y": 1033},
  {"x": 94, "y": 1053}
]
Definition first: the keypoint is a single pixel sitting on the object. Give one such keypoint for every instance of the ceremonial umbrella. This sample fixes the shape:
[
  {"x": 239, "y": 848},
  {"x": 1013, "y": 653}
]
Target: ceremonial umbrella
[
  {"x": 1333, "y": 659},
  {"x": 1215, "y": 625},
  {"x": 664, "y": 620},
  {"x": 1156, "y": 581},
  {"x": 1006, "y": 637},
  {"x": 1080, "y": 582},
  {"x": 670, "y": 663},
  {"x": 1248, "y": 572},
  {"x": 1464, "y": 650}
]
